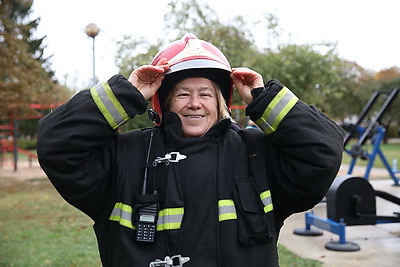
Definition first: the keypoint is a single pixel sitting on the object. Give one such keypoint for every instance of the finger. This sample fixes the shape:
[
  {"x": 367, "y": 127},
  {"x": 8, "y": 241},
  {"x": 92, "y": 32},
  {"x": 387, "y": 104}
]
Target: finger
[
  {"x": 162, "y": 61},
  {"x": 236, "y": 80},
  {"x": 237, "y": 76}
]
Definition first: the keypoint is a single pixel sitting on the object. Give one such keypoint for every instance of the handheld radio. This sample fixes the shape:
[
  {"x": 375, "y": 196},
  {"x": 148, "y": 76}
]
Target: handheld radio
[
  {"x": 146, "y": 208},
  {"x": 146, "y": 223}
]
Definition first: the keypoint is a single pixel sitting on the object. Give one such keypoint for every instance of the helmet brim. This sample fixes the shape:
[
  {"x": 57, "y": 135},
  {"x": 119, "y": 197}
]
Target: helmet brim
[{"x": 197, "y": 64}]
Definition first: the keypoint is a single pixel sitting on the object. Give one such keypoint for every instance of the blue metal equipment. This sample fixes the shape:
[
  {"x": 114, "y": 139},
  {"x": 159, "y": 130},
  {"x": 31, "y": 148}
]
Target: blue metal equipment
[
  {"x": 375, "y": 131},
  {"x": 351, "y": 200}
]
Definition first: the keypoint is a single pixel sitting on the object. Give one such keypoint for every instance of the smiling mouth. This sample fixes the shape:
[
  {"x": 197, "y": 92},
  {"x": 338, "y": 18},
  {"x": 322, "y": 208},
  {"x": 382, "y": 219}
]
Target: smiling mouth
[{"x": 194, "y": 116}]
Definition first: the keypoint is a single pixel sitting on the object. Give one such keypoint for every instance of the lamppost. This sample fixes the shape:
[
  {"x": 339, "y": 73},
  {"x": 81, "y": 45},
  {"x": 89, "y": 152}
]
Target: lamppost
[{"x": 92, "y": 30}]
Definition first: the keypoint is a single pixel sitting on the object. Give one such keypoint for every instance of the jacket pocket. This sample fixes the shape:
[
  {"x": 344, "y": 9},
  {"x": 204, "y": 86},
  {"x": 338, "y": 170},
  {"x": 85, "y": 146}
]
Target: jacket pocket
[{"x": 254, "y": 225}]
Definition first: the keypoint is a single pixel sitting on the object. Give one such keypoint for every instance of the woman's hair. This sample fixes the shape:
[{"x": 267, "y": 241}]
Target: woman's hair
[{"x": 223, "y": 112}]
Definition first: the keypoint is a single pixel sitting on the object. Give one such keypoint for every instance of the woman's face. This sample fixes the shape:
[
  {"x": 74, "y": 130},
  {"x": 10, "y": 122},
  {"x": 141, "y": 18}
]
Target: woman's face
[{"x": 195, "y": 101}]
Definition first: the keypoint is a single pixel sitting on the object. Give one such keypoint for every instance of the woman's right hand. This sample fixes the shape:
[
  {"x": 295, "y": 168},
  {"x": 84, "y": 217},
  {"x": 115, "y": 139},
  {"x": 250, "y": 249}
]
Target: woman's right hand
[{"x": 147, "y": 79}]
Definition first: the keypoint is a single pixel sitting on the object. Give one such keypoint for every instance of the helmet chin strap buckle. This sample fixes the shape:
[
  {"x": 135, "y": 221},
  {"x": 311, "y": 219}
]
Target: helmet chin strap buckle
[{"x": 153, "y": 116}]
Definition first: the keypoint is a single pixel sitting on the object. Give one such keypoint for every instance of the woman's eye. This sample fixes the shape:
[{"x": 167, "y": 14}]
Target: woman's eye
[
  {"x": 205, "y": 95},
  {"x": 183, "y": 95}
]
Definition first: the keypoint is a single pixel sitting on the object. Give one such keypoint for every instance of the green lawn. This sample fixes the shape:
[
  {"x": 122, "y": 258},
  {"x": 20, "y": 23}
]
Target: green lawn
[{"x": 38, "y": 228}]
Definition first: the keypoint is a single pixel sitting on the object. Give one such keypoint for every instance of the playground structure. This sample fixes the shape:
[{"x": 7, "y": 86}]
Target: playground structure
[
  {"x": 9, "y": 137},
  {"x": 351, "y": 200}
]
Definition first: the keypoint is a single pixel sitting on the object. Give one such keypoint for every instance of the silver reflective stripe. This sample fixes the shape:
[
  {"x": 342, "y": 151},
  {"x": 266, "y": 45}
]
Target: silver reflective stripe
[
  {"x": 277, "y": 110},
  {"x": 226, "y": 210},
  {"x": 267, "y": 201},
  {"x": 170, "y": 219},
  {"x": 109, "y": 105},
  {"x": 122, "y": 213}
]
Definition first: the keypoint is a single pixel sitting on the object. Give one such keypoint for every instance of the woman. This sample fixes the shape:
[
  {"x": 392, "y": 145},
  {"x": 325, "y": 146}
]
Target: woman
[{"x": 193, "y": 190}]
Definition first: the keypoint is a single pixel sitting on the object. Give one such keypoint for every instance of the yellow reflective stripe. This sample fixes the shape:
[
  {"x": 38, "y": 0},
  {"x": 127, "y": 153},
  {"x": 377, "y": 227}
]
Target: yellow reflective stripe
[
  {"x": 122, "y": 213},
  {"x": 227, "y": 216},
  {"x": 268, "y": 208},
  {"x": 169, "y": 226},
  {"x": 226, "y": 202},
  {"x": 267, "y": 201},
  {"x": 227, "y": 210},
  {"x": 279, "y": 107},
  {"x": 109, "y": 105},
  {"x": 170, "y": 219},
  {"x": 265, "y": 194}
]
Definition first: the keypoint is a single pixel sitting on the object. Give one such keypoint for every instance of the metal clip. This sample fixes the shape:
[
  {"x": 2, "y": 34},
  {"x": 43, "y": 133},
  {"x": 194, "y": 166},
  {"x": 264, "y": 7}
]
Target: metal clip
[
  {"x": 168, "y": 158},
  {"x": 174, "y": 261}
]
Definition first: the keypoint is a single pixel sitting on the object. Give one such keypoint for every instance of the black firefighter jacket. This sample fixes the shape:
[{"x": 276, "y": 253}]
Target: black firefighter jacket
[{"x": 222, "y": 197}]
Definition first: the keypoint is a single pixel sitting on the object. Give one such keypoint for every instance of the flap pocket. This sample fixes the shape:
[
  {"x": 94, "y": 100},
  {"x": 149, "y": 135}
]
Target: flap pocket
[
  {"x": 254, "y": 225},
  {"x": 248, "y": 196}
]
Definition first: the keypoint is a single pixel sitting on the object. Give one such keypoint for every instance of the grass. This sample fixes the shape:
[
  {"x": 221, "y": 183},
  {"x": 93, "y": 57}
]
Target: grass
[
  {"x": 289, "y": 259},
  {"x": 38, "y": 228}
]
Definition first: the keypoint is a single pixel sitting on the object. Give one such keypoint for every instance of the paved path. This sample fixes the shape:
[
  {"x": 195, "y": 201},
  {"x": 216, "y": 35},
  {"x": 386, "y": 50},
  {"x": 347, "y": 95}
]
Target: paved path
[
  {"x": 380, "y": 244},
  {"x": 25, "y": 170}
]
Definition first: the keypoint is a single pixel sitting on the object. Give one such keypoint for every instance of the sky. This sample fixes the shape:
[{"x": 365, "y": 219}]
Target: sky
[{"x": 365, "y": 31}]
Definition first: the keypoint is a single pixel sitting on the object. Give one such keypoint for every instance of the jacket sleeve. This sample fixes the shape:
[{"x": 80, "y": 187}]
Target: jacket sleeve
[
  {"x": 77, "y": 142},
  {"x": 304, "y": 148}
]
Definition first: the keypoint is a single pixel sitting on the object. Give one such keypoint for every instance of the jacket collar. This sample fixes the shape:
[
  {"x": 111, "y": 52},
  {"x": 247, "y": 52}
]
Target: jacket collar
[{"x": 172, "y": 126}]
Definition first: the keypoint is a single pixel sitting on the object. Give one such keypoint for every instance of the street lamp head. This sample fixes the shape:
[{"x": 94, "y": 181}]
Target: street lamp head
[{"x": 92, "y": 30}]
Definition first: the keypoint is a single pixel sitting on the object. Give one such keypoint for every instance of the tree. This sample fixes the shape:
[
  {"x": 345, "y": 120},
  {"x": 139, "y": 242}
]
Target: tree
[
  {"x": 388, "y": 74},
  {"x": 363, "y": 85},
  {"x": 392, "y": 117},
  {"x": 133, "y": 53},
  {"x": 313, "y": 76},
  {"x": 234, "y": 40},
  {"x": 25, "y": 76},
  {"x": 352, "y": 99},
  {"x": 313, "y": 71}
]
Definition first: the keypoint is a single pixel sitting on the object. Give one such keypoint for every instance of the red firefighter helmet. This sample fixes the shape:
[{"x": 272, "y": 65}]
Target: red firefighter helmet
[{"x": 191, "y": 57}]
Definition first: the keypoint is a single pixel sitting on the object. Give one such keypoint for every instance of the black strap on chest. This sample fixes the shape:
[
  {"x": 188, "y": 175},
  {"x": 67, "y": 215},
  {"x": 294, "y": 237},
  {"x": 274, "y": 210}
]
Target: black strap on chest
[{"x": 147, "y": 166}]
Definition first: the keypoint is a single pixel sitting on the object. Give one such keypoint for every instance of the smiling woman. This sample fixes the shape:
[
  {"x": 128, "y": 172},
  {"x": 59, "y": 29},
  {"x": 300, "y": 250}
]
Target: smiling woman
[{"x": 195, "y": 102}]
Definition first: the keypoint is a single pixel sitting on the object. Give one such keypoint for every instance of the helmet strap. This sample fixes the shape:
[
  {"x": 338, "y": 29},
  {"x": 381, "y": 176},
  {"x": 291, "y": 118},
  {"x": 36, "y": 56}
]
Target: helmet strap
[{"x": 153, "y": 116}]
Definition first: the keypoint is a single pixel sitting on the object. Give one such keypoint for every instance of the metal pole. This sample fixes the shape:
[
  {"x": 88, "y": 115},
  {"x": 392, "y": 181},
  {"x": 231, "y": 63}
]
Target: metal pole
[
  {"x": 15, "y": 142},
  {"x": 391, "y": 95},
  {"x": 94, "y": 72},
  {"x": 92, "y": 30}
]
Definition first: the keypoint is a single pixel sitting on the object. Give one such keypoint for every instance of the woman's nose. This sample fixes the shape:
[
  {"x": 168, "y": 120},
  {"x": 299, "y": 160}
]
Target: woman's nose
[{"x": 194, "y": 102}]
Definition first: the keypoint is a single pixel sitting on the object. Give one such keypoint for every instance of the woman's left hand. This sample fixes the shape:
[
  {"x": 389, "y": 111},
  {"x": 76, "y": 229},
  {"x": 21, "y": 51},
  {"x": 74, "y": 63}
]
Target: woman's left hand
[{"x": 246, "y": 80}]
